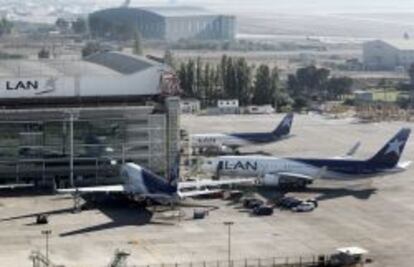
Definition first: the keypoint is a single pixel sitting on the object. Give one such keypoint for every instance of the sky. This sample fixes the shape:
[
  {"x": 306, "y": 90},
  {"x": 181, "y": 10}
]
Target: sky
[
  {"x": 364, "y": 18},
  {"x": 295, "y": 6}
]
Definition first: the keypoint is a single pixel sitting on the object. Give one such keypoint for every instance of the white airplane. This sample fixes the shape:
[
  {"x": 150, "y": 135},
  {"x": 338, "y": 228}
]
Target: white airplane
[
  {"x": 273, "y": 171},
  {"x": 143, "y": 186},
  {"x": 232, "y": 141},
  {"x": 14, "y": 186}
]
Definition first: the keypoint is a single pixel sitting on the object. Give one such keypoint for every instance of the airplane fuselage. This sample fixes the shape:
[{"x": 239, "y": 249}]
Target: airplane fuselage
[
  {"x": 236, "y": 140},
  {"x": 258, "y": 166},
  {"x": 216, "y": 140},
  {"x": 230, "y": 140}
]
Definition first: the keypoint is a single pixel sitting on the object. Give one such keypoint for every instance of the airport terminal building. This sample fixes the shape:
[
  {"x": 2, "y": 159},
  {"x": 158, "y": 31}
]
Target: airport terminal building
[
  {"x": 80, "y": 120},
  {"x": 168, "y": 23}
]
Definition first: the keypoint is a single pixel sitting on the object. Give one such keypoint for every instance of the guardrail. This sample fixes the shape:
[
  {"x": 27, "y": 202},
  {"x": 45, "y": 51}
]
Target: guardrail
[{"x": 300, "y": 261}]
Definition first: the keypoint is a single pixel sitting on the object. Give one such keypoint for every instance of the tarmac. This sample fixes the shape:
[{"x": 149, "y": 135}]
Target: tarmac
[{"x": 376, "y": 214}]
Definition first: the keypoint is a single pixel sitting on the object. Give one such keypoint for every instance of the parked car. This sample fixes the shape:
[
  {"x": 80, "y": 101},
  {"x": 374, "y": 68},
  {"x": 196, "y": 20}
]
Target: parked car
[
  {"x": 314, "y": 201},
  {"x": 251, "y": 203},
  {"x": 289, "y": 202},
  {"x": 304, "y": 207},
  {"x": 263, "y": 210}
]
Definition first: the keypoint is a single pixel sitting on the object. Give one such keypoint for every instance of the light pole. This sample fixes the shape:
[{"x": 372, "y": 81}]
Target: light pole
[
  {"x": 71, "y": 149},
  {"x": 73, "y": 115},
  {"x": 47, "y": 233},
  {"x": 229, "y": 224}
]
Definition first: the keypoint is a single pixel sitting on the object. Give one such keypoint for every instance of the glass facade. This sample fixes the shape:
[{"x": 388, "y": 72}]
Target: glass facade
[{"x": 35, "y": 145}]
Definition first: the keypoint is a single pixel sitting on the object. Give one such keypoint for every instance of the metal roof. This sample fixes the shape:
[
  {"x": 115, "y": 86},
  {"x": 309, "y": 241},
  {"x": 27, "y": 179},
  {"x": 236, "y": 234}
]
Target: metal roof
[
  {"x": 52, "y": 67},
  {"x": 179, "y": 11},
  {"x": 401, "y": 44},
  {"x": 100, "y": 64},
  {"x": 122, "y": 63}
]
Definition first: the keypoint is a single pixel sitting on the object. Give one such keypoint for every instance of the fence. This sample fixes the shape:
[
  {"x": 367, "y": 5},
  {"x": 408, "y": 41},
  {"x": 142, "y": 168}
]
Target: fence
[{"x": 301, "y": 261}]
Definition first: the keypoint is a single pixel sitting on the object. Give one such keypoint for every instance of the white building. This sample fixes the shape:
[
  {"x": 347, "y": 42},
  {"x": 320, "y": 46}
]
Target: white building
[
  {"x": 363, "y": 96},
  {"x": 190, "y": 106},
  {"x": 228, "y": 106},
  {"x": 228, "y": 103},
  {"x": 388, "y": 54},
  {"x": 264, "y": 109}
]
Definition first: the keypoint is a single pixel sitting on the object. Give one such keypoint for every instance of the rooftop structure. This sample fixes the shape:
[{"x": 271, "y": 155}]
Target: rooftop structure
[
  {"x": 101, "y": 76},
  {"x": 169, "y": 23}
]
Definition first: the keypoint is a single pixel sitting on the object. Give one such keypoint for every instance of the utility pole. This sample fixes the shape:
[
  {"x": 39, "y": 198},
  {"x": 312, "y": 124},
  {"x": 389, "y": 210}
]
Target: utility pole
[
  {"x": 71, "y": 148},
  {"x": 229, "y": 224},
  {"x": 47, "y": 233}
]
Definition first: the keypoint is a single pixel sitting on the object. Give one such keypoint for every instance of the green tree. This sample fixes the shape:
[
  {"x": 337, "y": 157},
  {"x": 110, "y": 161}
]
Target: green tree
[
  {"x": 338, "y": 87},
  {"x": 229, "y": 79},
  {"x": 263, "y": 93},
  {"x": 242, "y": 81},
  {"x": 5, "y": 26},
  {"x": 43, "y": 53},
  {"x": 182, "y": 76},
  {"x": 199, "y": 79},
  {"x": 62, "y": 24},
  {"x": 275, "y": 88},
  {"x": 79, "y": 26},
  {"x": 309, "y": 83},
  {"x": 91, "y": 48},
  {"x": 207, "y": 84},
  {"x": 411, "y": 73},
  {"x": 293, "y": 86},
  {"x": 190, "y": 71}
]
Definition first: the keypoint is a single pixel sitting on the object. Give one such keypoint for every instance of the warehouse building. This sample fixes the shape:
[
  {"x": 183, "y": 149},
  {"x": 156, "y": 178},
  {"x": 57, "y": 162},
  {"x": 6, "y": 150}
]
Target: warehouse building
[
  {"x": 169, "y": 23},
  {"x": 388, "y": 54},
  {"x": 78, "y": 121}
]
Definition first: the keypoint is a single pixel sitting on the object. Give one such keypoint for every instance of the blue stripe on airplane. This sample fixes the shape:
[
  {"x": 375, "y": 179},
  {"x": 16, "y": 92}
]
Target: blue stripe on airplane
[
  {"x": 354, "y": 167},
  {"x": 255, "y": 137}
]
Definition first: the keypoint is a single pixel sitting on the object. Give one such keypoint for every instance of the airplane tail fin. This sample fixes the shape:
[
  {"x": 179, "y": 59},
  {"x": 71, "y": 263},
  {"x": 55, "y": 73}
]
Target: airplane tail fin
[
  {"x": 284, "y": 126},
  {"x": 390, "y": 154}
]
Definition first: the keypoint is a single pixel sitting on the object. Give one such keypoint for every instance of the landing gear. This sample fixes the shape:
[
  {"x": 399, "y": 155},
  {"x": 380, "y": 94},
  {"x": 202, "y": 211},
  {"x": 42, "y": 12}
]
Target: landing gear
[{"x": 77, "y": 205}]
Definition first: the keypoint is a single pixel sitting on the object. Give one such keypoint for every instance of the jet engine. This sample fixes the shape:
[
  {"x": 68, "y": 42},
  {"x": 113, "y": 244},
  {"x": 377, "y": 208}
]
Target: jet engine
[{"x": 284, "y": 181}]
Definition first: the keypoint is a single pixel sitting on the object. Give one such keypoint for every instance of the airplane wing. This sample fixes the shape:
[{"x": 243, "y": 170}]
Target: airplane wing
[
  {"x": 404, "y": 165},
  {"x": 208, "y": 182},
  {"x": 198, "y": 188},
  {"x": 198, "y": 193},
  {"x": 300, "y": 176},
  {"x": 12, "y": 186},
  {"x": 93, "y": 189}
]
